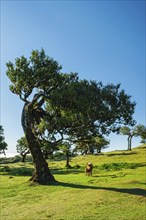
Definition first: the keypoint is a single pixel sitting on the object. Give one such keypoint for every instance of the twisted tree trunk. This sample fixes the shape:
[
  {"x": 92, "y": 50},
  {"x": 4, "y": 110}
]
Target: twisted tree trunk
[{"x": 42, "y": 173}]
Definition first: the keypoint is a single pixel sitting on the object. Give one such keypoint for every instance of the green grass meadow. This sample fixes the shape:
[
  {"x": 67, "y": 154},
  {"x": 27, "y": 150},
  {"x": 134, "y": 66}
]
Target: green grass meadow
[{"x": 116, "y": 191}]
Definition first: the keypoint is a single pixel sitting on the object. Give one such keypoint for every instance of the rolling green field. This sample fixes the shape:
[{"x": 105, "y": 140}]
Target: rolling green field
[{"x": 116, "y": 191}]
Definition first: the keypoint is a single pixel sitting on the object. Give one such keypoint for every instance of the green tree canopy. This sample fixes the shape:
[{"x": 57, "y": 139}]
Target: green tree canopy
[
  {"x": 59, "y": 105},
  {"x": 66, "y": 150},
  {"x": 3, "y": 144},
  {"x": 22, "y": 147},
  {"x": 137, "y": 130},
  {"x": 91, "y": 144},
  {"x": 141, "y": 130},
  {"x": 99, "y": 143}
]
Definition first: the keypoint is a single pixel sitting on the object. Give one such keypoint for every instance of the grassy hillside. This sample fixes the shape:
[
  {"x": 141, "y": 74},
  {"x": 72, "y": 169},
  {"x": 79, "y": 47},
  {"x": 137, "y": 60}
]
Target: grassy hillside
[{"x": 115, "y": 191}]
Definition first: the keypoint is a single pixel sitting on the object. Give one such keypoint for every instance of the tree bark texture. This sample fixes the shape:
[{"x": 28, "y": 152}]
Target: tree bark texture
[{"x": 42, "y": 173}]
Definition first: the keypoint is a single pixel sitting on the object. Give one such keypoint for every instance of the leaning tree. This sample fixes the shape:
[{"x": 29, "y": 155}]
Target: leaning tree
[{"x": 60, "y": 106}]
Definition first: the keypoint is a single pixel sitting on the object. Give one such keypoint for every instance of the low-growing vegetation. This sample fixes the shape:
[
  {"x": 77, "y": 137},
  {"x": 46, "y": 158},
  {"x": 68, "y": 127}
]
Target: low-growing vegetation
[{"x": 115, "y": 191}]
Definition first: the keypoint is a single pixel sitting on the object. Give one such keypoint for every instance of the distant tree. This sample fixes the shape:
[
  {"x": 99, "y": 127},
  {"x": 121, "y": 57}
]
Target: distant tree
[
  {"x": 137, "y": 130},
  {"x": 3, "y": 144},
  {"x": 99, "y": 143},
  {"x": 58, "y": 105},
  {"x": 81, "y": 147},
  {"x": 92, "y": 144},
  {"x": 22, "y": 148},
  {"x": 48, "y": 148},
  {"x": 143, "y": 139},
  {"x": 66, "y": 150},
  {"x": 142, "y": 133}
]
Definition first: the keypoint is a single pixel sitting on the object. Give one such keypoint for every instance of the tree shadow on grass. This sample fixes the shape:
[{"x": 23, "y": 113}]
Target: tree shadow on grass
[
  {"x": 23, "y": 171},
  {"x": 27, "y": 171},
  {"x": 133, "y": 191},
  {"x": 65, "y": 171}
]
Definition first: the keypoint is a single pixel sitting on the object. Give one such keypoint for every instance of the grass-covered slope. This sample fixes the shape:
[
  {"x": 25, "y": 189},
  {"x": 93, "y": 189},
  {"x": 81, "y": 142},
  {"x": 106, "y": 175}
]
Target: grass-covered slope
[{"x": 116, "y": 191}]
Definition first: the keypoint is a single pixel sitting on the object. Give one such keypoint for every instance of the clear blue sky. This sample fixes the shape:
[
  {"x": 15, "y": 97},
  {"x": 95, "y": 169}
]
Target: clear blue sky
[{"x": 101, "y": 40}]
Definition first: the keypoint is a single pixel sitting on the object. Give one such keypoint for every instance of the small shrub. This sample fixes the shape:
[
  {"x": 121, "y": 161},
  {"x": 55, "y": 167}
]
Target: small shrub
[
  {"x": 14, "y": 159},
  {"x": 4, "y": 168}
]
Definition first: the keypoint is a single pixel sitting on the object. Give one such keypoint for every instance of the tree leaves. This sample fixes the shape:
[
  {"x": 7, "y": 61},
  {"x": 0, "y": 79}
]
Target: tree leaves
[
  {"x": 70, "y": 106},
  {"x": 3, "y": 144}
]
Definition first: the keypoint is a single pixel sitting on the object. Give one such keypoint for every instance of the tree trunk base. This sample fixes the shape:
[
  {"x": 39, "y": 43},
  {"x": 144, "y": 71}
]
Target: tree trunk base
[
  {"x": 42, "y": 179},
  {"x": 42, "y": 174},
  {"x": 68, "y": 166}
]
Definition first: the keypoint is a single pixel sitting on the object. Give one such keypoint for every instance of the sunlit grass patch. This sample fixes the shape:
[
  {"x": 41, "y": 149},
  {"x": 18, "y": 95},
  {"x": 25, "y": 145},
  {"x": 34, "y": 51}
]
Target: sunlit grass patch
[
  {"x": 115, "y": 191},
  {"x": 118, "y": 166}
]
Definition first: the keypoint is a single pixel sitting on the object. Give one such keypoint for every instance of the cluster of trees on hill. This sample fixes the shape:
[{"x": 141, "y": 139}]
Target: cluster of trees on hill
[
  {"x": 65, "y": 148},
  {"x": 61, "y": 108},
  {"x": 96, "y": 146},
  {"x": 93, "y": 147}
]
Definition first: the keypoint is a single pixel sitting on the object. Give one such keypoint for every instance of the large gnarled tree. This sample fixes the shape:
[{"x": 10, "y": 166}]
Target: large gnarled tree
[{"x": 58, "y": 106}]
